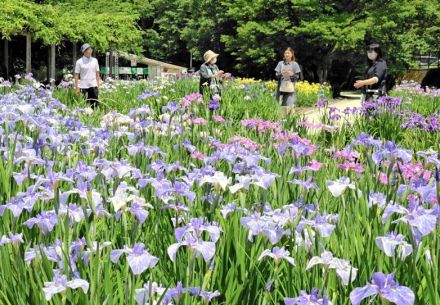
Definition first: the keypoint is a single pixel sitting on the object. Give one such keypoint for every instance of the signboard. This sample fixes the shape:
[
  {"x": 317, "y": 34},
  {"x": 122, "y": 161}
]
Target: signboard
[
  {"x": 142, "y": 71},
  {"x": 124, "y": 70}
]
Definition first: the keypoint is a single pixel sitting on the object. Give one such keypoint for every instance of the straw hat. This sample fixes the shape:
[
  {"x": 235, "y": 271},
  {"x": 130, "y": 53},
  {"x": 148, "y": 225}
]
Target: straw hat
[{"x": 209, "y": 55}]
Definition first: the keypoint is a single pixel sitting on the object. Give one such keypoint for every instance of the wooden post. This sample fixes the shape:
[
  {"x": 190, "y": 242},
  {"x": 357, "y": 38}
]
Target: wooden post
[
  {"x": 28, "y": 53},
  {"x": 6, "y": 57},
  {"x": 52, "y": 65}
]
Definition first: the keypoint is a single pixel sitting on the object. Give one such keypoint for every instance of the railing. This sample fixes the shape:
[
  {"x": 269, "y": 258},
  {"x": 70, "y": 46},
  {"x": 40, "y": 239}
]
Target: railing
[{"x": 428, "y": 61}]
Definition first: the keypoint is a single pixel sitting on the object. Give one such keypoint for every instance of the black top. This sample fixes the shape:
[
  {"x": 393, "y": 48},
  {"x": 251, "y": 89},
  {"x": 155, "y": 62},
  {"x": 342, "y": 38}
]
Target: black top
[{"x": 379, "y": 70}]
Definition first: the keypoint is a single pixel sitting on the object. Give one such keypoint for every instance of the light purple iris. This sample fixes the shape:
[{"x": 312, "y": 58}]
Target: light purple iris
[
  {"x": 307, "y": 185},
  {"x": 338, "y": 187},
  {"x": 278, "y": 254},
  {"x": 391, "y": 241},
  {"x": 391, "y": 150},
  {"x": 191, "y": 237},
  {"x": 260, "y": 177},
  {"x": 267, "y": 225},
  {"x": 422, "y": 221},
  {"x": 207, "y": 296},
  {"x": 11, "y": 238},
  {"x": 138, "y": 210},
  {"x": 22, "y": 201},
  {"x": 151, "y": 291},
  {"x": 138, "y": 258},
  {"x": 378, "y": 199},
  {"x": 308, "y": 299},
  {"x": 344, "y": 270},
  {"x": 323, "y": 224},
  {"x": 386, "y": 288},
  {"x": 53, "y": 253},
  {"x": 46, "y": 221},
  {"x": 73, "y": 212},
  {"x": 230, "y": 208},
  {"x": 166, "y": 191},
  {"x": 60, "y": 284}
]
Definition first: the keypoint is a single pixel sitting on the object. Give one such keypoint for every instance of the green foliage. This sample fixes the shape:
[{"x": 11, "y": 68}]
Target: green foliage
[{"x": 105, "y": 24}]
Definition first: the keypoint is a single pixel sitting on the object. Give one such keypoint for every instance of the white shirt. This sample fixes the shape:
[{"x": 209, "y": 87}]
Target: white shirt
[{"x": 87, "y": 68}]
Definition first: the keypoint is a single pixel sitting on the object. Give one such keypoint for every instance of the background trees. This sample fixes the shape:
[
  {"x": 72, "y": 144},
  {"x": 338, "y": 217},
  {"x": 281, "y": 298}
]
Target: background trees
[{"x": 328, "y": 36}]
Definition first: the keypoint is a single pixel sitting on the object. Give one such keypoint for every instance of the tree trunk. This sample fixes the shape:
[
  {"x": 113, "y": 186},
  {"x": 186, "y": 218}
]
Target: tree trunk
[
  {"x": 323, "y": 67},
  {"x": 52, "y": 65},
  {"x": 74, "y": 55},
  {"x": 28, "y": 53},
  {"x": 6, "y": 58}
]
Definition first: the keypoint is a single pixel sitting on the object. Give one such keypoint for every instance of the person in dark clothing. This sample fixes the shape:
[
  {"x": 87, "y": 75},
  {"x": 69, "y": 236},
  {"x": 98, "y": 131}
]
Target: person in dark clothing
[
  {"x": 374, "y": 83},
  {"x": 211, "y": 77}
]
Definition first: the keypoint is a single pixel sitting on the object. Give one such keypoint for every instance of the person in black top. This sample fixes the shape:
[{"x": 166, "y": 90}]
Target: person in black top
[{"x": 375, "y": 76}]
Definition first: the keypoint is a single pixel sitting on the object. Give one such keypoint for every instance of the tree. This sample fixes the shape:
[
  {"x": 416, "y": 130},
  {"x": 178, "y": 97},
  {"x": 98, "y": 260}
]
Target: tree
[{"x": 104, "y": 23}]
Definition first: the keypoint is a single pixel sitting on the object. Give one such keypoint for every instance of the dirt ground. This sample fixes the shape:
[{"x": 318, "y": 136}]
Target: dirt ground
[{"x": 349, "y": 99}]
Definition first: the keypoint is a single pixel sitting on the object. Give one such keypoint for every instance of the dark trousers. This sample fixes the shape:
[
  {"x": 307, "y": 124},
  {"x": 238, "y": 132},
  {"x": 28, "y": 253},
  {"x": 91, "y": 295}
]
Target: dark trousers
[{"x": 91, "y": 96}]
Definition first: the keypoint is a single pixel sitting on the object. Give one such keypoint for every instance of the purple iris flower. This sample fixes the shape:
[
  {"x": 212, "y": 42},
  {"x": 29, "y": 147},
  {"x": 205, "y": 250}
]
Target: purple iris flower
[
  {"x": 422, "y": 221},
  {"x": 146, "y": 94},
  {"x": 11, "y": 238},
  {"x": 389, "y": 150},
  {"x": 172, "y": 108},
  {"x": 392, "y": 241},
  {"x": 138, "y": 258},
  {"x": 74, "y": 212},
  {"x": 278, "y": 254},
  {"x": 207, "y": 296},
  {"x": 323, "y": 224},
  {"x": 307, "y": 185},
  {"x": 191, "y": 237},
  {"x": 60, "y": 283},
  {"x": 344, "y": 270},
  {"x": 214, "y": 104},
  {"x": 139, "y": 211},
  {"x": 45, "y": 221},
  {"x": 308, "y": 299},
  {"x": 386, "y": 288},
  {"x": 378, "y": 199},
  {"x": 270, "y": 225},
  {"x": 22, "y": 201}
]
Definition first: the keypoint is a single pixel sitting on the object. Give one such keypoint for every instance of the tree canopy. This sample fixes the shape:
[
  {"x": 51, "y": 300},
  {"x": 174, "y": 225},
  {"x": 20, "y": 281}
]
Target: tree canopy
[
  {"x": 104, "y": 23},
  {"x": 249, "y": 35}
]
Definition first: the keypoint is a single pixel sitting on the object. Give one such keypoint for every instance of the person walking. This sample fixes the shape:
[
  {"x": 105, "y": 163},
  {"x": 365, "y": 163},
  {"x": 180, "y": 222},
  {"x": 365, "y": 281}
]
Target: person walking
[
  {"x": 287, "y": 72},
  {"x": 87, "y": 77}
]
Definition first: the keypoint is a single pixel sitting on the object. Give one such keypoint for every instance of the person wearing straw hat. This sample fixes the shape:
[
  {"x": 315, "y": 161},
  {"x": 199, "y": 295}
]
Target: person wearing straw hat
[
  {"x": 211, "y": 77},
  {"x": 87, "y": 75}
]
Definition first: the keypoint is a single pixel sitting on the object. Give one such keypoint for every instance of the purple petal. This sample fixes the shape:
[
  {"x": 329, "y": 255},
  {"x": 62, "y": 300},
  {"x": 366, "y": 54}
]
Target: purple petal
[
  {"x": 140, "y": 263},
  {"x": 358, "y": 294},
  {"x": 399, "y": 295},
  {"x": 206, "y": 249},
  {"x": 172, "y": 251},
  {"x": 115, "y": 255}
]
